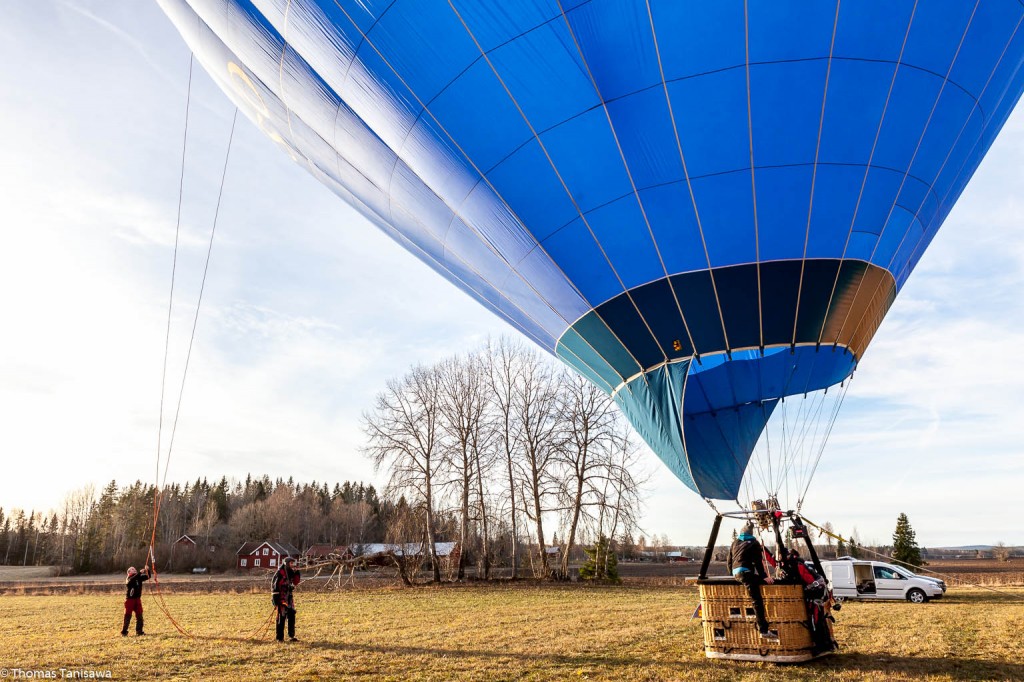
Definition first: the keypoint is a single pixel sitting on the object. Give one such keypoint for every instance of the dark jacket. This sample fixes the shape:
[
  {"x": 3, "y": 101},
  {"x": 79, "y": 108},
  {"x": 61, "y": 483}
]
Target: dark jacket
[
  {"x": 134, "y": 585},
  {"x": 747, "y": 554},
  {"x": 284, "y": 583}
]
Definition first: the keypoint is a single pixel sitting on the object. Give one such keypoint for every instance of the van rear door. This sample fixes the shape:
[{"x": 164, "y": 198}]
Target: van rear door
[{"x": 840, "y": 575}]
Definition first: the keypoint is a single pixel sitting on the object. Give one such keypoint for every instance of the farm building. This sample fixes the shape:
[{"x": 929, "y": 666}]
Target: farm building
[
  {"x": 188, "y": 542},
  {"x": 447, "y": 552},
  {"x": 264, "y": 554},
  {"x": 320, "y": 552}
]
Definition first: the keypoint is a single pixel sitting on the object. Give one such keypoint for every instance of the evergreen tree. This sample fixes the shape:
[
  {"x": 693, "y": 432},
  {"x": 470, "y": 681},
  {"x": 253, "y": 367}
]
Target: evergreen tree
[
  {"x": 601, "y": 563},
  {"x": 841, "y": 548},
  {"x": 904, "y": 543}
]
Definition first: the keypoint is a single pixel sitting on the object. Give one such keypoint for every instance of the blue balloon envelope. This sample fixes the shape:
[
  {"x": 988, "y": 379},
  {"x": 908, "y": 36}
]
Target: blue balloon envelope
[{"x": 703, "y": 207}]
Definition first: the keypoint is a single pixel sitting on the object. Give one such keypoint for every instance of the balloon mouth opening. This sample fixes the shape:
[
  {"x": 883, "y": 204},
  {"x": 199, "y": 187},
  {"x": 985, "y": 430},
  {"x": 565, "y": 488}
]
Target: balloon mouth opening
[{"x": 707, "y": 421}]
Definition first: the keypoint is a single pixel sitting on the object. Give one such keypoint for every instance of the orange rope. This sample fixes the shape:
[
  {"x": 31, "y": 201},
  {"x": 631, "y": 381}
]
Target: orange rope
[
  {"x": 161, "y": 602},
  {"x": 262, "y": 630}
]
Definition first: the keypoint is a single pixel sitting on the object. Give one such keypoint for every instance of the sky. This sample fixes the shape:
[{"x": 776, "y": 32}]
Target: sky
[{"x": 308, "y": 309}]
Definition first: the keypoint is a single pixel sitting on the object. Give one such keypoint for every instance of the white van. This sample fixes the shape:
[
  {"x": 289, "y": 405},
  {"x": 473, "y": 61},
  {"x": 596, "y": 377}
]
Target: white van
[{"x": 854, "y": 579}]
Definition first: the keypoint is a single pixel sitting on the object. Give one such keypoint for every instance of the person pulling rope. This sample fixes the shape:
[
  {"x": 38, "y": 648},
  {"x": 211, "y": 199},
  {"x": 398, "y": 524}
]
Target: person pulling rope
[{"x": 133, "y": 599}]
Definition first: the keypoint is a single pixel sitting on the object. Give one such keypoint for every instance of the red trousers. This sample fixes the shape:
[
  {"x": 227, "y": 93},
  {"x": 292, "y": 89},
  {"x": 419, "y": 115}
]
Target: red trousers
[{"x": 132, "y": 606}]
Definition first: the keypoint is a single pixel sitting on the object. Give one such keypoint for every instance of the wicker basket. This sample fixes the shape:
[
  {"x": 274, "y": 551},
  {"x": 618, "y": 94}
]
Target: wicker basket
[{"x": 730, "y": 628}]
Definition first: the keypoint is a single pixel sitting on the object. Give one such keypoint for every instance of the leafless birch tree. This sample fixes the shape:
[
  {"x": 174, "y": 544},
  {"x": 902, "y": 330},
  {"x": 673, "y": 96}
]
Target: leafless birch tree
[
  {"x": 588, "y": 420},
  {"x": 620, "y": 502},
  {"x": 403, "y": 432},
  {"x": 463, "y": 400},
  {"x": 505, "y": 360},
  {"x": 535, "y": 408}
]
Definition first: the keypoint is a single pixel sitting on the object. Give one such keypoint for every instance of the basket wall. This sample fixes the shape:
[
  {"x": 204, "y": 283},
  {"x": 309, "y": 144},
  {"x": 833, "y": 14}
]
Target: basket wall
[{"x": 731, "y": 628}]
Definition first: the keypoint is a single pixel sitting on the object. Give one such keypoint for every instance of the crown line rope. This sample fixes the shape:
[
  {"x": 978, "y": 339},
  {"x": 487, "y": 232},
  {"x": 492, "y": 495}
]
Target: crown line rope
[{"x": 159, "y": 484}]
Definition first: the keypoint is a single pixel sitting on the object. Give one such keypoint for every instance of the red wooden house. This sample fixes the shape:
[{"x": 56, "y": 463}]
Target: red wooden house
[
  {"x": 189, "y": 542},
  {"x": 322, "y": 551},
  {"x": 263, "y": 555},
  {"x": 186, "y": 541}
]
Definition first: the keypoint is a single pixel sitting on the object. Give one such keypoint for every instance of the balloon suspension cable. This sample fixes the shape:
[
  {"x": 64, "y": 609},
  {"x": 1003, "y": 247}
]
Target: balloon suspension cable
[
  {"x": 828, "y": 432},
  {"x": 790, "y": 448},
  {"x": 951, "y": 578}
]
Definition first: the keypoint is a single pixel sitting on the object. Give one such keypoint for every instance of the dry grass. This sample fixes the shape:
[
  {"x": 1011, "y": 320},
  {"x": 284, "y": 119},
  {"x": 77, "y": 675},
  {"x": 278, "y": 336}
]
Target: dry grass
[{"x": 500, "y": 632}]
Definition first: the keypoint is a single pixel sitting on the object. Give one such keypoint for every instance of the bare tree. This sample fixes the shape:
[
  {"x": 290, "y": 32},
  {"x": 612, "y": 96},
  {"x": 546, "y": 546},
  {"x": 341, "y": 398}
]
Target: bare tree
[
  {"x": 587, "y": 421},
  {"x": 482, "y": 439},
  {"x": 620, "y": 500},
  {"x": 505, "y": 360},
  {"x": 403, "y": 433},
  {"x": 78, "y": 508},
  {"x": 828, "y": 532},
  {"x": 462, "y": 400},
  {"x": 535, "y": 408}
]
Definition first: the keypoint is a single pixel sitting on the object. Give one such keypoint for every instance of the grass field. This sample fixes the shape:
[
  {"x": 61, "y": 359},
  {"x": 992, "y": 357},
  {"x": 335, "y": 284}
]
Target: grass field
[{"x": 518, "y": 631}]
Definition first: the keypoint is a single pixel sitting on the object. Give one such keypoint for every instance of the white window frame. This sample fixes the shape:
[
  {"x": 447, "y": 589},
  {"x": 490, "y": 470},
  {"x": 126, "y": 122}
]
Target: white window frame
[
  {"x": 256, "y": 562},
  {"x": 243, "y": 562}
]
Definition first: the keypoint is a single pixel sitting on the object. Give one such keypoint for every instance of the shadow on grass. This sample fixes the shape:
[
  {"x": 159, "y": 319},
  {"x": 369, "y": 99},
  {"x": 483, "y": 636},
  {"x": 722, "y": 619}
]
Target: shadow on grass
[
  {"x": 978, "y": 595},
  {"x": 582, "y": 659},
  {"x": 982, "y": 597},
  {"x": 870, "y": 665},
  {"x": 877, "y": 667}
]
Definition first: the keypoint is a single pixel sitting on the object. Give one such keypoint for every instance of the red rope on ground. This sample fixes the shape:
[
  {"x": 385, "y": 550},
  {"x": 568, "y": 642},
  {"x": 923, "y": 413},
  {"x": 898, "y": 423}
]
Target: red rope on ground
[{"x": 263, "y": 629}]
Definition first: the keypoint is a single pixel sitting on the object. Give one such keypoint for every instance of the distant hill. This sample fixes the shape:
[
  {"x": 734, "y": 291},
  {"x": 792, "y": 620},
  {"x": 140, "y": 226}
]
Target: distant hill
[{"x": 971, "y": 548}]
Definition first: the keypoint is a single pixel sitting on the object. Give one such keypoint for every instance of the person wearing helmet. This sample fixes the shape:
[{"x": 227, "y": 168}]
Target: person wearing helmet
[
  {"x": 285, "y": 580},
  {"x": 796, "y": 571},
  {"x": 816, "y": 594},
  {"x": 133, "y": 599},
  {"x": 746, "y": 562}
]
